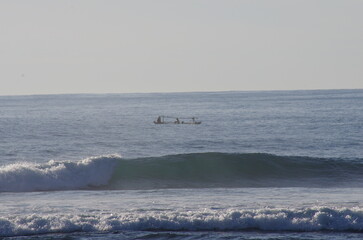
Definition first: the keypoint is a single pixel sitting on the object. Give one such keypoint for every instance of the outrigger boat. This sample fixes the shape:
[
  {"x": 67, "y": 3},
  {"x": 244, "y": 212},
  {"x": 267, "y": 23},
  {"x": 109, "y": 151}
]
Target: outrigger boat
[{"x": 178, "y": 120}]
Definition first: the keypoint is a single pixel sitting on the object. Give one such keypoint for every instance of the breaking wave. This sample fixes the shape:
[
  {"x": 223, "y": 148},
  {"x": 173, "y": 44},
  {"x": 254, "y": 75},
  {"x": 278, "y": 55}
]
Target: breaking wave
[
  {"x": 58, "y": 175},
  {"x": 195, "y": 170},
  {"x": 297, "y": 220}
]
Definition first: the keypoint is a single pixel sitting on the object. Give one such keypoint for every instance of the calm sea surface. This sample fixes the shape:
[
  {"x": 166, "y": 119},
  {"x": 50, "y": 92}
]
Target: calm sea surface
[{"x": 261, "y": 165}]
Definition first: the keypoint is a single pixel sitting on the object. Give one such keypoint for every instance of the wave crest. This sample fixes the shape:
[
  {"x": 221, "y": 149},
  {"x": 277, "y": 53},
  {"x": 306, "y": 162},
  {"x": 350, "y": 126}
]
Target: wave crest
[
  {"x": 58, "y": 175},
  {"x": 195, "y": 170}
]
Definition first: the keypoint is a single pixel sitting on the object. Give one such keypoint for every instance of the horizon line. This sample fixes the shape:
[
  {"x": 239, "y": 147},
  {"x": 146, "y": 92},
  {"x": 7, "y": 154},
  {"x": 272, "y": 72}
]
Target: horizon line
[{"x": 176, "y": 92}]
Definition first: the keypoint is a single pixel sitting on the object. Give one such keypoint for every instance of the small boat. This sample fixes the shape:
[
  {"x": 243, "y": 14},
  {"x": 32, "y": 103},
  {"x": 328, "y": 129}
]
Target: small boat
[{"x": 176, "y": 120}]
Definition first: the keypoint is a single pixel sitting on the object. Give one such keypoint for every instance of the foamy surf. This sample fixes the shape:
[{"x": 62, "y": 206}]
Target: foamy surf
[
  {"x": 58, "y": 175},
  {"x": 295, "y": 220}
]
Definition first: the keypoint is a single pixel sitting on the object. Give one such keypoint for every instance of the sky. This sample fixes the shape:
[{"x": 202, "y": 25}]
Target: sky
[{"x": 129, "y": 46}]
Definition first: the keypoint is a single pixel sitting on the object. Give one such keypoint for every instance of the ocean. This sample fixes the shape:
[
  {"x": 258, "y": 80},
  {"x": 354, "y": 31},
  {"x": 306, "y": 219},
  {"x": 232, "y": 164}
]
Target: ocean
[{"x": 261, "y": 165}]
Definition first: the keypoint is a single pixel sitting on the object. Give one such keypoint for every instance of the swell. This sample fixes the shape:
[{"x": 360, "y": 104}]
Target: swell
[
  {"x": 195, "y": 170},
  {"x": 205, "y": 170},
  {"x": 294, "y": 220}
]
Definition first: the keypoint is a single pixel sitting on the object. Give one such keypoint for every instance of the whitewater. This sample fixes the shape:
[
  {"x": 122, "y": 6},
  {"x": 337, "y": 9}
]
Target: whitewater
[{"x": 262, "y": 165}]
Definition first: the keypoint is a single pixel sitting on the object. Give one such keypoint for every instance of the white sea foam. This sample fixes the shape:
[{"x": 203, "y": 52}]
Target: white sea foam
[
  {"x": 57, "y": 175},
  {"x": 311, "y": 219}
]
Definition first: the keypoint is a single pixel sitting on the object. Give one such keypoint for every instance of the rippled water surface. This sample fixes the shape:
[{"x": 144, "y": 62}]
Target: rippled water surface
[{"x": 262, "y": 165}]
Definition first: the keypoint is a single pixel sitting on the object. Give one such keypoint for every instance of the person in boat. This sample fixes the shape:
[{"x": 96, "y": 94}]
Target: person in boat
[
  {"x": 158, "y": 120},
  {"x": 177, "y": 121}
]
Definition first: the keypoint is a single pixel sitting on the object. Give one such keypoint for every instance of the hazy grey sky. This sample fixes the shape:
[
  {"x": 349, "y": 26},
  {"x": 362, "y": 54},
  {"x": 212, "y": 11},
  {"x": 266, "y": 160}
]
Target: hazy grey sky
[{"x": 85, "y": 46}]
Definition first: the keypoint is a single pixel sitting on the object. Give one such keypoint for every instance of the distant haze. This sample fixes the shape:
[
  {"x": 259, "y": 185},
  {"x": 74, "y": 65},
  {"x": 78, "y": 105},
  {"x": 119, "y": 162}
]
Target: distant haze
[{"x": 115, "y": 46}]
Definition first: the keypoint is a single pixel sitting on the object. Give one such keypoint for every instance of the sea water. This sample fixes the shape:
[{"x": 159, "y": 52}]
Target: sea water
[{"x": 261, "y": 165}]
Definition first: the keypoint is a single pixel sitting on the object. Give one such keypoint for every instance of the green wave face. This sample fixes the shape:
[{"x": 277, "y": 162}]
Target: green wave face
[
  {"x": 206, "y": 170},
  {"x": 195, "y": 170}
]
